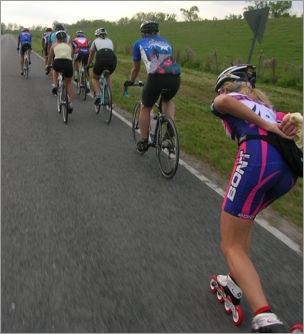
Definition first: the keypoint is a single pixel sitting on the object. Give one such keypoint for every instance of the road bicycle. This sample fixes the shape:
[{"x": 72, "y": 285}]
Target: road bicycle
[
  {"x": 82, "y": 81},
  {"x": 62, "y": 97},
  {"x": 26, "y": 62},
  {"x": 163, "y": 135},
  {"x": 105, "y": 97}
]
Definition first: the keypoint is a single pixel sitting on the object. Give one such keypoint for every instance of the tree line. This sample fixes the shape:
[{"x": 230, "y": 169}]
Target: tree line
[{"x": 277, "y": 9}]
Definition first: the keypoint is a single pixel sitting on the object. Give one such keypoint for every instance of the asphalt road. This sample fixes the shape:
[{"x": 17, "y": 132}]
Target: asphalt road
[{"x": 94, "y": 239}]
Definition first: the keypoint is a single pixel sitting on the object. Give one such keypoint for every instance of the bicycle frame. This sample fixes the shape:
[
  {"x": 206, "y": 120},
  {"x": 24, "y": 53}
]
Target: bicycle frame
[
  {"x": 105, "y": 96},
  {"x": 62, "y": 97},
  {"x": 81, "y": 83},
  {"x": 164, "y": 138}
]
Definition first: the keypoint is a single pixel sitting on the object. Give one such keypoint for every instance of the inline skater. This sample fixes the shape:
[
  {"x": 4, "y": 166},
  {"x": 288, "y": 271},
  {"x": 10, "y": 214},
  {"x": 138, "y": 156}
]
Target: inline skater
[{"x": 259, "y": 177}]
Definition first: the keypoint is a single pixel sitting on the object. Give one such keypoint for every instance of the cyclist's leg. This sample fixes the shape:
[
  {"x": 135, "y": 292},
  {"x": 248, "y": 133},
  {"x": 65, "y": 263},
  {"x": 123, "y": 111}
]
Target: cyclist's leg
[
  {"x": 76, "y": 65},
  {"x": 150, "y": 94},
  {"x": 97, "y": 70},
  {"x": 29, "y": 53},
  {"x": 68, "y": 75},
  {"x": 21, "y": 58},
  {"x": 57, "y": 67},
  {"x": 111, "y": 64},
  {"x": 172, "y": 82}
]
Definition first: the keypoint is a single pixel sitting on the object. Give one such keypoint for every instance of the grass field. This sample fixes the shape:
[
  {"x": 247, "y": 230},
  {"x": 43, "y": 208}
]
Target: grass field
[{"x": 201, "y": 134}]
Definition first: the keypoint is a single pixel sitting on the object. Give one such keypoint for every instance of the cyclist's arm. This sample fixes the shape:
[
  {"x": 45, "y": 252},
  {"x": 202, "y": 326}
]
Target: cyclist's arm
[
  {"x": 226, "y": 104},
  {"x": 135, "y": 70},
  {"x": 91, "y": 56},
  {"x": 18, "y": 42},
  {"x": 50, "y": 56}
]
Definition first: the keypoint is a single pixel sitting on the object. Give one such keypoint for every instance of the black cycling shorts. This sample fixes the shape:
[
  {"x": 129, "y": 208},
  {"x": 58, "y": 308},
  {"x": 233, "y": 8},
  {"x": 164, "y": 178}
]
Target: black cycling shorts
[
  {"x": 24, "y": 46},
  {"x": 155, "y": 83},
  {"x": 105, "y": 60},
  {"x": 65, "y": 66},
  {"x": 82, "y": 55}
]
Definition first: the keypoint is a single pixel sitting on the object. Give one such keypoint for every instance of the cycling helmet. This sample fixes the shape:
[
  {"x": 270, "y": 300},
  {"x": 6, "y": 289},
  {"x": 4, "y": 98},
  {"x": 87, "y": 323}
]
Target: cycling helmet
[
  {"x": 100, "y": 31},
  {"x": 61, "y": 34},
  {"x": 59, "y": 27},
  {"x": 79, "y": 33},
  {"x": 149, "y": 27},
  {"x": 243, "y": 73},
  {"x": 25, "y": 30}
]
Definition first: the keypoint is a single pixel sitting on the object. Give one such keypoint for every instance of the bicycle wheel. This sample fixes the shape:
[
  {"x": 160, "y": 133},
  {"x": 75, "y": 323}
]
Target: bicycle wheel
[
  {"x": 135, "y": 124},
  {"x": 64, "y": 103},
  {"x": 167, "y": 146},
  {"x": 83, "y": 84},
  {"x": 79, "y": 81},
  {"x": 107, "y": 105},
  {"x": 59, "y": 94},
  {"x": 26, "y": 67}
]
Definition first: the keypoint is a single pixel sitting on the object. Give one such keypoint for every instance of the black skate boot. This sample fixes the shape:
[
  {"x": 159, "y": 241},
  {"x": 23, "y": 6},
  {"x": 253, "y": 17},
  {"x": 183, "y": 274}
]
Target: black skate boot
[{"x": 229, "y": 293}]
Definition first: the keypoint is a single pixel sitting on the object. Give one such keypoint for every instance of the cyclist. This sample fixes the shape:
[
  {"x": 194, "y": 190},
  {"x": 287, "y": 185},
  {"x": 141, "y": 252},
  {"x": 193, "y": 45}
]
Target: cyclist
[
  {"x": 45, "y": 39},
  {"x": 24, "y": 41},
  {"x": 53, "y": 39},
  {"x": 259, "y": 177},
  {"x": 163, "y": 72},
  {"x": 81, "y": 47},
  {"x": 63, "y": 55},
  {"x": 102, "y": 49}
]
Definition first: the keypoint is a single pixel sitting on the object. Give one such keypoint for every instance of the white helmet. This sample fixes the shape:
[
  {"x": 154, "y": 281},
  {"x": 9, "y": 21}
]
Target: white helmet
[{"x": 243, "y": 73}]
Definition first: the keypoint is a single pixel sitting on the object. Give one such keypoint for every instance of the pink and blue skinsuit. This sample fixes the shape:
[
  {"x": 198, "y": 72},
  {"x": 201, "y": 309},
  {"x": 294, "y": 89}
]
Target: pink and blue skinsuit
[{"x": 260, "y": 175}]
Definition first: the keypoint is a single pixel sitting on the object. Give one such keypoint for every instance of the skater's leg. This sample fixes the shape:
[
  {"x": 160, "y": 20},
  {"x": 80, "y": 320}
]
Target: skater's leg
[{"x": 236, "y": 238}]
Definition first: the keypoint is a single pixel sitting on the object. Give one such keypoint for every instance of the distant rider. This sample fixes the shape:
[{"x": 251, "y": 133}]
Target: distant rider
[{"x": 24, "y": 41}]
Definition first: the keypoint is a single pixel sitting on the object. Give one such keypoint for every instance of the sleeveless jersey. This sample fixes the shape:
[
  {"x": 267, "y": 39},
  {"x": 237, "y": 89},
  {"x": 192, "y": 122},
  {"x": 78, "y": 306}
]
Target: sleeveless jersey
[
  {"x": 157, "y": 55},
  {"x": 62, "y": 51}
]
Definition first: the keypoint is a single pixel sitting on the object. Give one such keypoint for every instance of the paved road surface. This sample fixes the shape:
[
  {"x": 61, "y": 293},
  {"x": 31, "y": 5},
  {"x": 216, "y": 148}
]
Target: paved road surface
[{"x": 94, "y": 239}]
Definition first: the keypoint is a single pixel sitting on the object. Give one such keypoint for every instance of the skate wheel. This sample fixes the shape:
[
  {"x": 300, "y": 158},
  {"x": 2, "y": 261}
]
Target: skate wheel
[
  {"x": 227, "y": 305},
  {"x": 238, "y": 316},
  {"x": 212, "y": 287},
  {"x": 298, "y": 328},
  {"x": 219, "y": 296}
]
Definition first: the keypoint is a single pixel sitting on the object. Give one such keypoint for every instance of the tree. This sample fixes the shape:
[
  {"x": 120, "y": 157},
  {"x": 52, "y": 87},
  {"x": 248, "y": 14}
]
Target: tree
[
  {"x": 276, "y": 8},
  {"x": 191, "y": 14}
]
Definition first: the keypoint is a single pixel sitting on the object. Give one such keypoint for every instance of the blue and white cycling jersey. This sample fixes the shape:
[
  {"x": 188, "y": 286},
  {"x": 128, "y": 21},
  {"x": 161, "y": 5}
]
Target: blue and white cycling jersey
[
  {"x": 25, "y": 38},
  {"x": 157, "y": 55}
]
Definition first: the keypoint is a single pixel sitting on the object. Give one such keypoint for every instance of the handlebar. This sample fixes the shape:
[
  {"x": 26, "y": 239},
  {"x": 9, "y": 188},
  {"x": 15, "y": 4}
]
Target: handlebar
[{"x": 135, "y": 84}]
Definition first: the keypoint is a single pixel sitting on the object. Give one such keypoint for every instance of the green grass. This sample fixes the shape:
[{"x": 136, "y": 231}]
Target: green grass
[{"x": 201, "y": 134}]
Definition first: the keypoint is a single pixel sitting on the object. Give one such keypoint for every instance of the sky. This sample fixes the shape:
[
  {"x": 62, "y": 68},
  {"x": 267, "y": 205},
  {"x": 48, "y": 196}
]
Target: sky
[{"x": 44, "y": 13}]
